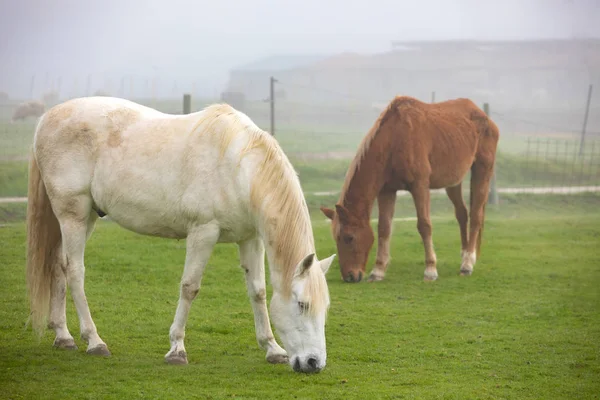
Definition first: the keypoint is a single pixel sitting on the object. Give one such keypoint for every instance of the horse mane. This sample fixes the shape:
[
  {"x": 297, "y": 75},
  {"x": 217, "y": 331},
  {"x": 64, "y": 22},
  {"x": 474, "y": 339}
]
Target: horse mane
[
  {"x": 365, "y": 144},
  {"x": 275, "y": 196}
]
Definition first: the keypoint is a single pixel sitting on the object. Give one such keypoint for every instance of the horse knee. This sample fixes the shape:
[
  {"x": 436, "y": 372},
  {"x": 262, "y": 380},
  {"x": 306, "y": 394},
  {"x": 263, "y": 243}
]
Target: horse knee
[
  {"x": 424, "y": 227},
  {"x": 260, "y": 295},
  {"x": 189, "y": 290}
]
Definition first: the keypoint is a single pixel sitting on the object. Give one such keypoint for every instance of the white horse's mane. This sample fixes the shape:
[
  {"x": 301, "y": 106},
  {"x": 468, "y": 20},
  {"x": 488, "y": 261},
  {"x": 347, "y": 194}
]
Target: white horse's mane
[{"x": 275, "y": 194}]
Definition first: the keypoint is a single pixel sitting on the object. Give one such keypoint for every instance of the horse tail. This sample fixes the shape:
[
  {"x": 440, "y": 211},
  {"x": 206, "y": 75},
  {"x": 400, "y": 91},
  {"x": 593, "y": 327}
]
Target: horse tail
[
  {"x": 480, "y": 233},
  {"x": 43, "y": 247}
]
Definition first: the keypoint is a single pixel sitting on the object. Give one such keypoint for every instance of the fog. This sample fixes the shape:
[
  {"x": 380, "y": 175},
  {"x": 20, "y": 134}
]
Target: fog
[{"x": 185, "y": 42}]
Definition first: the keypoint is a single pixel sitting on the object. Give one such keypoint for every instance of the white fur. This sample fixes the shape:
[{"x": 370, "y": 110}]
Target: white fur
[{"x": 211, "y": 177}]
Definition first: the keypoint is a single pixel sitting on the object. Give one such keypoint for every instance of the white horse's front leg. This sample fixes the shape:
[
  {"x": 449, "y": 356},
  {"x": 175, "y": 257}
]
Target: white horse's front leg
[
  {"x": 200, "y": 242},
  {"x": 252, "y": 257}
]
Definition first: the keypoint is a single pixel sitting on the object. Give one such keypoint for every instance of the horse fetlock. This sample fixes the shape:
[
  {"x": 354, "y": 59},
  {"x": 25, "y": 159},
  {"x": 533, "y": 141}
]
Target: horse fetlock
[{"x": 468, "y": 262}]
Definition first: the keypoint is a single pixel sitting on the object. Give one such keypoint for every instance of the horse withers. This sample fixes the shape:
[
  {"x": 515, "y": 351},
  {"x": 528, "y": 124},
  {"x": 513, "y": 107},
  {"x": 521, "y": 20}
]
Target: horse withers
[
  {"x": 414, "y": 146},
  {"x": 210, "y": 177}
]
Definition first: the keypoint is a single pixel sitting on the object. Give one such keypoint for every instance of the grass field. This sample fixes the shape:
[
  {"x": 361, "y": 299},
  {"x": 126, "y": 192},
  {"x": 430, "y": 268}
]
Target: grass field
[{"x": 524, "y": 326}]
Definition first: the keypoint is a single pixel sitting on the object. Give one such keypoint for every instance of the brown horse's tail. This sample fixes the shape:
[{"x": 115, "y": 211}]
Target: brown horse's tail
[
  {"x": 43, "y": 247},
  {"x": 480, "y": 233}
]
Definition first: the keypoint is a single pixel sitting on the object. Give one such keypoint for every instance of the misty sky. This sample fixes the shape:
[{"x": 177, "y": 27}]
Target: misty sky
[{"x": 201, "y": 40}]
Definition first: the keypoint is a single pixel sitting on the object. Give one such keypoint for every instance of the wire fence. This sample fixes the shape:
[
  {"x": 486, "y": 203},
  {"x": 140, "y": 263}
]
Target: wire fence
[{"x": 539, "y": 150}]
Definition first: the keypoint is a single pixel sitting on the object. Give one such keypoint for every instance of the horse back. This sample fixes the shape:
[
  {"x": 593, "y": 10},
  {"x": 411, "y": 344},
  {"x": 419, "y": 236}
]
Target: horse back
[{"x": 437, "y": 141}]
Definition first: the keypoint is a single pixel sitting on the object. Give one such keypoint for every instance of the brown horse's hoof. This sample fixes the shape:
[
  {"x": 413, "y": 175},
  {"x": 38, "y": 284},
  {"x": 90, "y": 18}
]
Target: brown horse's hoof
[
  {"x": 430, "y": 275},
  {"x": 177, "y": 358},
  {"x": 65, "y": 344},
  {"x": 100, "y": 350},
  {"x": 374, "y": 278}
]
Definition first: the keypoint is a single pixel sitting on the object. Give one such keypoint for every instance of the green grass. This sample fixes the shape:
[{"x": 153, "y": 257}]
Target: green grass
[{"x": 524, "y": 326}]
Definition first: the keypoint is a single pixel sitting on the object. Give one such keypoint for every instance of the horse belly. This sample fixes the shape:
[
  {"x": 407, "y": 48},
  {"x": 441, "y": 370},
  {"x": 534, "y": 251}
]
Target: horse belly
[{"x": 450, "y": 170}]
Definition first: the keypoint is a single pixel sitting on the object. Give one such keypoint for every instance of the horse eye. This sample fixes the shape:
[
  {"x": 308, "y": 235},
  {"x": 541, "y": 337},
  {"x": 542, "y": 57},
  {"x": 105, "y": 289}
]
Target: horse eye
[
  {"x": 303, "y": 306},
  {"x": 348, "y": 239}
]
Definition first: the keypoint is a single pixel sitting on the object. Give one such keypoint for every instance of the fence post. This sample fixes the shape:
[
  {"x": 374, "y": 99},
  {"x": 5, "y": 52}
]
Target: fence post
[
  {"x": 187, "y": 103},
  {"x": 272, "y": 104},
  {"x": 493, "y": 195},
  {"x": 585, "y": 119}
]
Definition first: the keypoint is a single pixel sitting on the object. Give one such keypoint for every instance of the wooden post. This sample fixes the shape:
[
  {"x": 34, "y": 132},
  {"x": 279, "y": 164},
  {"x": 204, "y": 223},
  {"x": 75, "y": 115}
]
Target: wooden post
[
  {"x": 187, "y": 103},
  {"x": 585, "y": 119},
  {"x": 272, "y": 103},
  {"x": 493, "y": 195}
]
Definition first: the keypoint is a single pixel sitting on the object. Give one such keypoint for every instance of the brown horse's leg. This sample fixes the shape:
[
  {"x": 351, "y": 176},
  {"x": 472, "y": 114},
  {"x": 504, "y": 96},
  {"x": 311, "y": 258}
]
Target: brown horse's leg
[
  {"x": 387, "y": 202},
  {"x": 481, "y": 173},
  {"x": 420, "y": 194},
  {"x": 460, "y": 211}
]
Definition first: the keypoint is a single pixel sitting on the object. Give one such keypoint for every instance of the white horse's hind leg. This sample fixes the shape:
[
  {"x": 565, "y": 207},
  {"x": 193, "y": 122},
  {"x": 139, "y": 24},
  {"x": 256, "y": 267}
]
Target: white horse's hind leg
[
  {"x": 58, "y": 301},
  {"x": 58, "y": 313},
  {"x": 73, "y": 214},
  {"x": 200, "y": 243},
  {"x": 252, "y": 257}
]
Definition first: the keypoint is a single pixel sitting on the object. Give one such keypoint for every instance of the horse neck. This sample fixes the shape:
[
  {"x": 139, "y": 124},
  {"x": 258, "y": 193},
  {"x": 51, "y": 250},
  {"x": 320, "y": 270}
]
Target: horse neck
[{"x": 366, "y": 182}]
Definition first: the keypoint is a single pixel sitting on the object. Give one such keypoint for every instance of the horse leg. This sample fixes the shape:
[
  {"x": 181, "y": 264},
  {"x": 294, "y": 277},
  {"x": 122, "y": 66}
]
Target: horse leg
[
  {"x": 420, "y": 194},
  {"x": 58, "y": 301},
  {"x": 386, "y": 202},
  {"x": 460, "y": 211},
  {"x": 481, "y": 174},
  {"x": 75, "y": 219},
  {"x": 252, "y": 258},
  {"x": 199, "y": 245}
]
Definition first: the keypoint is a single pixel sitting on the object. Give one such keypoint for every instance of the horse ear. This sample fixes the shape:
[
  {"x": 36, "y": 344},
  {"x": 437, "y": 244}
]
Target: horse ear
[
  {"x": 326, "y": 263},
  {"x": 329, "y": 213},
  {"x": 342, "y": 212},
  {"x": 305, "y": 264}
]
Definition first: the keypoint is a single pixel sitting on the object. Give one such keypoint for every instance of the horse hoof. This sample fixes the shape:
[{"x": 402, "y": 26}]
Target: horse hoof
[
  {"x": 430, "y": 276},
  {"x": 375, "y": 278},
  {"x": 177, "y": 358},
  {"x": 466, "y": 272},
  {"x": 100, "y": 350},
  {"x": 277, "y": 358},
  {"x": 65, "y": 344}
]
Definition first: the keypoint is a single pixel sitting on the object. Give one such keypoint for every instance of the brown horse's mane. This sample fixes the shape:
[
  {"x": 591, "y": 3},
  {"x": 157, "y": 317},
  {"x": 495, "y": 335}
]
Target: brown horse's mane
[{"x": 365, "y": 144}]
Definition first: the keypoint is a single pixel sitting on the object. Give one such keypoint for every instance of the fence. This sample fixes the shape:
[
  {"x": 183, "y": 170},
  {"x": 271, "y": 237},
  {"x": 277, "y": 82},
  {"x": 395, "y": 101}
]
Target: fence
[{"x": 535, "y": 153}]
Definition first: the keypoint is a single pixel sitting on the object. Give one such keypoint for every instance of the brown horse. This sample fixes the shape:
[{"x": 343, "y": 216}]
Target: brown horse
[{"x": 414, "y": 146}]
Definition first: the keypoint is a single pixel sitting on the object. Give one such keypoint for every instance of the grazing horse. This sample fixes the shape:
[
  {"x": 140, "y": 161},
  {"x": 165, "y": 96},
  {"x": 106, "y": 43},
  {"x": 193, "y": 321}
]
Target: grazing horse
[
  {"x": 210, "y": 177},
  {"x": 414, "y": 146}
]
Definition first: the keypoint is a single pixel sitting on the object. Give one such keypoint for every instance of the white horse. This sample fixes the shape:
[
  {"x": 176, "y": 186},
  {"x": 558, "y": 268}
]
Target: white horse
[{"x": 210, "y": 177}]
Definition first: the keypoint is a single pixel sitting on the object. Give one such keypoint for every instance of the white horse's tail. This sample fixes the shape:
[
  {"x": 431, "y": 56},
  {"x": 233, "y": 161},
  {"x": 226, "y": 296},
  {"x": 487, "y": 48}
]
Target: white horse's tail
[{"x": 43, "y": 247}]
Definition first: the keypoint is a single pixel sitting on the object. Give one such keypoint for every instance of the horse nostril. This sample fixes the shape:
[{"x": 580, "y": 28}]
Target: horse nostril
[
  {"x": 349, "y": 278},
  {"x": 359, "y": 276},
  {"x": 297, "y": 365},
  {"x": 312, "y": 362}
]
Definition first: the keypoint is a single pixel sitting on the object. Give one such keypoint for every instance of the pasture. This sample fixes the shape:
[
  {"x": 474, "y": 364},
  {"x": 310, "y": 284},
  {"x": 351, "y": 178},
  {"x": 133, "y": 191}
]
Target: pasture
[{"x": 525, "y": 325}]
